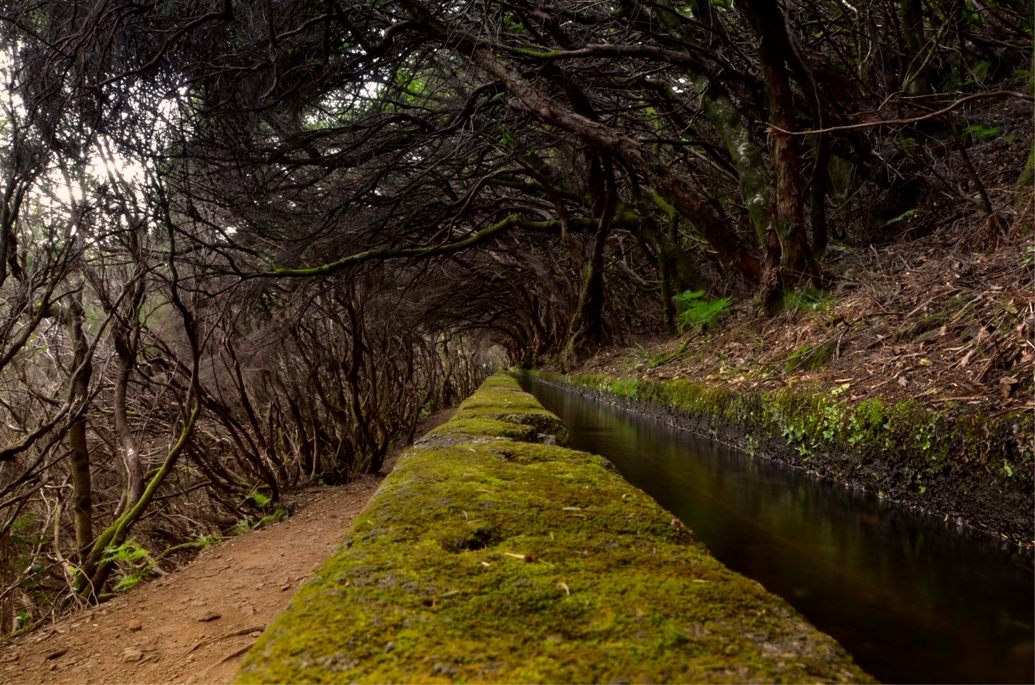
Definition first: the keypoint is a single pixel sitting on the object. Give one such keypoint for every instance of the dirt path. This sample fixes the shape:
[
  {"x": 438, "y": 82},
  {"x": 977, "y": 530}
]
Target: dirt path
[{"x": 193, "y": 626}]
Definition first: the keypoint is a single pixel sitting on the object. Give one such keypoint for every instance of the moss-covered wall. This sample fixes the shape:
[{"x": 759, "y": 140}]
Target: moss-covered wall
[
  {"x": 967, "y": 467},
  {"x": 493, "y": 554}
]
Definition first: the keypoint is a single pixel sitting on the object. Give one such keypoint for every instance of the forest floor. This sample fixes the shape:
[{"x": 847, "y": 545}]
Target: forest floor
[
  {"x": 195, "y": 624},
  {"x": 948, "y": 318}
]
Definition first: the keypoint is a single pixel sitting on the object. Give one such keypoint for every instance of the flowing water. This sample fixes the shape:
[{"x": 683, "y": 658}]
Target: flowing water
[{"x": 912, "y": 598}]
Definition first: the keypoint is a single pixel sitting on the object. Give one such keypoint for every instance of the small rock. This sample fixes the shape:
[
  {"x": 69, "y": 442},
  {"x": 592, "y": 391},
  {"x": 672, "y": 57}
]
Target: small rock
[
  {"x": 56, "y": 654},
  {"x": 256, "y": 633},
  {"x": 546, "y": 439},
  {"x": 445, "y": 669},
  {"x": 208, "y": 616},
  {"x": 130, "y": 655},
  {"x": 134, "y": 626}
]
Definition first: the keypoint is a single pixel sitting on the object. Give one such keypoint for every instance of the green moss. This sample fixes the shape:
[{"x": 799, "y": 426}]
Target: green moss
[
  {"x": 509, "y": 561},
  {"x": 809, "y": 357},
  {"x": 495, "y": 404},
  {"x": 923, "y": 329},
  {"x": 467, "y": 427}
]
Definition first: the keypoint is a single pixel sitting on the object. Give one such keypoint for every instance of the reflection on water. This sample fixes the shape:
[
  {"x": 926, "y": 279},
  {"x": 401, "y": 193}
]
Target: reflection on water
[{"x": 912, "y": 599}]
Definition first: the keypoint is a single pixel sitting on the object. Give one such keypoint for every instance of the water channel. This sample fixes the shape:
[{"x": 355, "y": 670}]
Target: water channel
[{"x": 913, "y": 599}]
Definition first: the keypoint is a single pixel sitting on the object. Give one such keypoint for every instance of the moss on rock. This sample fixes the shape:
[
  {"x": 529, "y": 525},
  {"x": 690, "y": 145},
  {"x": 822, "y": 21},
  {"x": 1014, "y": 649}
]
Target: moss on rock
[{"x": 496, "y": 558}]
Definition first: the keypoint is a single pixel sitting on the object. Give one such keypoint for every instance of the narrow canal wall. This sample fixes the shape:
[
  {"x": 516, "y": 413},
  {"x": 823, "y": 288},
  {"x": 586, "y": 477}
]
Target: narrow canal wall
[
  {"x": 968, "y": 468},
  {"x": 492, "y": 553}
]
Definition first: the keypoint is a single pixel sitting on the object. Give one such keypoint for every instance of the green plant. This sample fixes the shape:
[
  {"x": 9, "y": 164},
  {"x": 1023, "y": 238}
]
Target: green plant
[
  {"x": 276, "y": 516},
  {"x": 132, "y": 554},
  {"x": 246, "y": 524},
  {"x": 981, "y": 133},
  {"x": 810, "y": 300},
  {"x": 752, "y": 445},
  {"x": 699, "y": 312},
  {"x": 809, "y": 357},
  {"x": 258, "y": 499},
  {"x": 243, "y": 526},
  {"x": 206, "y": 540},
  {"x": 901, "y": 217},
  {"x": 625, "y": 386},
  {"x": 833, "y": 416}
]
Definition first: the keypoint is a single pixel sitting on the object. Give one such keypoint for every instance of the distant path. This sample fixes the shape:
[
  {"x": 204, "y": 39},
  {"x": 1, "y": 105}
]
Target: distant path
[{"x": 147, "y": 636}]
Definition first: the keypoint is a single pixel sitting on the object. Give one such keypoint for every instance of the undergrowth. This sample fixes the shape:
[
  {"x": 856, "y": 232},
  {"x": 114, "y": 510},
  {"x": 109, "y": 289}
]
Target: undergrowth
[{"x": 698, "y": 312}]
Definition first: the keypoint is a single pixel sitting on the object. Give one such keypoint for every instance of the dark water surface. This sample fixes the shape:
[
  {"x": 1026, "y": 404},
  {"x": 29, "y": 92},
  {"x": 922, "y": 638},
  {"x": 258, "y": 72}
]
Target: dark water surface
[{"x": 913, "y": 599}]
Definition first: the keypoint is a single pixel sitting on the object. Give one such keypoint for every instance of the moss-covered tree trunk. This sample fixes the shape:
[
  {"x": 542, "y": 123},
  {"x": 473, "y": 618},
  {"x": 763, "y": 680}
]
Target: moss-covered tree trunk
[{"x": 1025, "y": 182}]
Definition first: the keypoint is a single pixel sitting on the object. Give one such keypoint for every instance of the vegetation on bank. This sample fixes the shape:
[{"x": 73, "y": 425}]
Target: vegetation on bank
[
  {"x": 970, "y": 466},
  {"x": 492, "y": 558}
]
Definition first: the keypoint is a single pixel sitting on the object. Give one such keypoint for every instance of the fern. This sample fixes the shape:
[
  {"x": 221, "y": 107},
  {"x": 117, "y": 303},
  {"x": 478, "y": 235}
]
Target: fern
[
  {"x": 130, "y": 552},
  {"x": 258, "y": 499},
  {"x": 698, "y": 312}
]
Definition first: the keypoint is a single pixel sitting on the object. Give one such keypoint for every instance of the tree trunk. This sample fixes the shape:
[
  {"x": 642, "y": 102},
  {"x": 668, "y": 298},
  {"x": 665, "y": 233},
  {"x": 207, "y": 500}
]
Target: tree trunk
[
  {"x": 82, "y": 369},
  {"x": 911, "y": 14},
  {"x": 587, "y": 324},
  {"x": 130, "y": 452},
  {"x": 818, "y": 207},
  {"x": 773, "y": 51}
]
